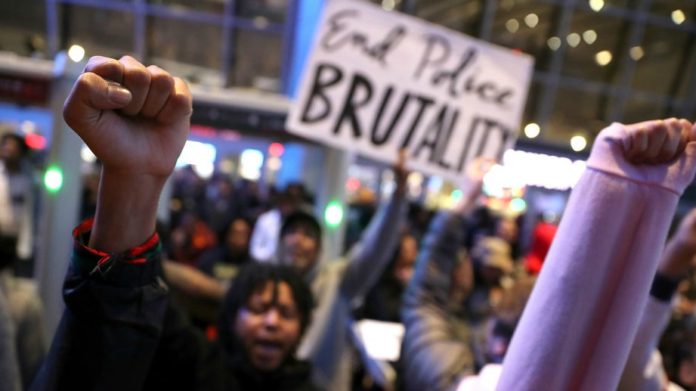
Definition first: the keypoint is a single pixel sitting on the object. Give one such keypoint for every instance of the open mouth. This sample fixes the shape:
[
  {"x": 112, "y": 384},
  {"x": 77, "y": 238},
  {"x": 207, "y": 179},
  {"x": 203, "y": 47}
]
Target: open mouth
[{"x": 268, "y": 347}]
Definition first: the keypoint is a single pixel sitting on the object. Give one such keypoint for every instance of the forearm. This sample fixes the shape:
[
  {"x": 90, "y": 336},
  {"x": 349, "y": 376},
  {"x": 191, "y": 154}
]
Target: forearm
[
  {"x": 126, "y": 210},
  {"x": 369, "y": 258},
  {"x": 589, "y": 298},
  {"x": 644, "y": 371},
  {"x": 192, "y": 282}
]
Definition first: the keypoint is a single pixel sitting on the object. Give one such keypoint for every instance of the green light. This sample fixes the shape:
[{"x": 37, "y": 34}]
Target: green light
[
  {"x": 53, "y": 179},
  {"x": 333, "y": 214},
  {"x": 518, "y": 205},
  {"x": 456, "y": 195}
]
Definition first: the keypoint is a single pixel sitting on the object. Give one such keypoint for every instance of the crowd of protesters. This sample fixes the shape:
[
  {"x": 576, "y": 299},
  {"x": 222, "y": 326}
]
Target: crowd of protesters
[{"x": 235, "y": 293}]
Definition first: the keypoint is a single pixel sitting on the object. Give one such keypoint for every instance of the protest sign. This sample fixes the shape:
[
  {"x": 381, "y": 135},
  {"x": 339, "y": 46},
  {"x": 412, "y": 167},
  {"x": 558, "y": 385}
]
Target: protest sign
[{"x": 380, "y": 81}]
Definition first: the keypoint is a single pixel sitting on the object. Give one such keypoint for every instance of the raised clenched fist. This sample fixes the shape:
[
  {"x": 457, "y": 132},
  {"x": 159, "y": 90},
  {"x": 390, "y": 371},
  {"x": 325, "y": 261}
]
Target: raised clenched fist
[
  {"x": 659, "y": 152},
  {"x": 134, "y": 118}
]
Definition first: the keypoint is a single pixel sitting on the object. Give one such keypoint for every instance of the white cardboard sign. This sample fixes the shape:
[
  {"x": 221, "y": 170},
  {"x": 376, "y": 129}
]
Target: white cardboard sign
[{"x": 380, "y": 81}]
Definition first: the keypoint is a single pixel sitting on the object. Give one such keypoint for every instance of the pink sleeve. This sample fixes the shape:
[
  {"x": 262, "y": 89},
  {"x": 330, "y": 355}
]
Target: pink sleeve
[{"x": 577, "y": 329}]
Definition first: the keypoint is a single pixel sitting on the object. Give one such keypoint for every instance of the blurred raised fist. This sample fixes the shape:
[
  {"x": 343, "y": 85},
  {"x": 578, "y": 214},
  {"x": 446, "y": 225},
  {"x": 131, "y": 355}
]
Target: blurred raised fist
[
  {"x": 659, "y": 152},
  {"x": 134, "y": 118},
  {"x": 656, "y": 142},
  {"x": 400, "y": 172}
]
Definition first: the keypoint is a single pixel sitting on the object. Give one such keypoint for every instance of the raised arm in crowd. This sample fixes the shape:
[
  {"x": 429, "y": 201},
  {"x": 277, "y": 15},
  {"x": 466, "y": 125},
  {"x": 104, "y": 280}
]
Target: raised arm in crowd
[{"x": 583, "y": 315}]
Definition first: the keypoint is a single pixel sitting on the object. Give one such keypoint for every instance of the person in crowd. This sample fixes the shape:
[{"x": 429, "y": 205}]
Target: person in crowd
[
  {"x": 24, "y": 305},
  {"x": 221, "y": 204},
  {"x": 119, "y": 331},
  {"x": 17, "y": 189},
  {"x": 542, "y": 237},
  {"x": 340, "y": 285},
  {"x": 264, "y": 240},
  {"x": 223, "y": 261},
  {"x": 383, "y": 302},
  {"x": 590, "y": 294},
  {"x": 507, "y": 229},
  {"x": 21, "y": 296},
  {"x": 9, "y": 368},
  {"x": 190, "y": 239},
  {"x": 493, "y": 265}
]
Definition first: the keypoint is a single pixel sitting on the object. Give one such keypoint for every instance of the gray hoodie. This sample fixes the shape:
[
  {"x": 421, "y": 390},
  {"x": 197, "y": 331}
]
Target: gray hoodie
[{"x": 337, "y": 286}]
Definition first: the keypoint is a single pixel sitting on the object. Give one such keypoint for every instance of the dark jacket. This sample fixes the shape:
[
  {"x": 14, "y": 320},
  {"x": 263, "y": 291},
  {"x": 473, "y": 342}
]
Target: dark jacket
[{"x": 120, "y": 332}]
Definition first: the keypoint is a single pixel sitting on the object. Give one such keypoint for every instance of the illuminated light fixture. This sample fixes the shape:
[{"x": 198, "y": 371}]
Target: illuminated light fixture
[
  {"x": 578, "y": 143},
  {"x": 76, "y": 53},
  {"x": 518, "y": 205},
  {"x": 457, "y": 195},
  {"x": 636, "y": 53},
  {"x": 201, "y": 156},
  {"x": 589, "y": 36},
  {"x": 35, "y": 141},
  {"x": 512, "y": 25},
  {"x": 353, "y": 184},
  {"x": 554, "y": 43},
  {"x": 603, "y": 58},
  {"x": 596, "y": 5},
  {"x": 520, "y": 169},
  {"x": 333, "y": 214},
  {"x": 678, "y": 16},
  {"x": 573, "y": 39},
  {"x": 531, "y": 20},
  {"x": 53, "y": 179},
  {"x": 276, "y": 149},
  {"x": 388, "y": 5},
  {"x": 87, "y": 155},
  {"x": 250, "y": 163},
  {"x": 532, "y": 130}
]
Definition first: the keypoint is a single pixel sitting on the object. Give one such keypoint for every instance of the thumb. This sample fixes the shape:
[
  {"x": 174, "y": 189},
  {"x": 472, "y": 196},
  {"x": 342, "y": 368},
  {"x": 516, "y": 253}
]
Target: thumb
[
  {"x": 90, "y": 95},
  {"x": 689, "y": 158}
]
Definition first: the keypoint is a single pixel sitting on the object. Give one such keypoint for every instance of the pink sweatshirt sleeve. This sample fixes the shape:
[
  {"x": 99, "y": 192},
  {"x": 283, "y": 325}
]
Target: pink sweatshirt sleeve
[{"x": 582, "y": 317}]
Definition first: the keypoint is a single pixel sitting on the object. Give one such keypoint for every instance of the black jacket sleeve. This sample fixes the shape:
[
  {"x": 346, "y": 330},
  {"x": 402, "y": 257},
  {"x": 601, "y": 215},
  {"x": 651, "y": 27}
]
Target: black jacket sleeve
[{"x": 112, "y": 323}]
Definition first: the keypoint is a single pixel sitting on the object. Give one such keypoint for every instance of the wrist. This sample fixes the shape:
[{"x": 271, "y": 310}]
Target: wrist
[
  {"x": 126, "y": 210},
  {"x": 676, "y": 261}
]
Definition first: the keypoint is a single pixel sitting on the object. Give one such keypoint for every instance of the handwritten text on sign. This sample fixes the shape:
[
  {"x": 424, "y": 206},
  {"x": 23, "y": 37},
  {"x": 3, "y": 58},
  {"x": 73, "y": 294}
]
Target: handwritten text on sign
[{"x": 380, "y": 81}]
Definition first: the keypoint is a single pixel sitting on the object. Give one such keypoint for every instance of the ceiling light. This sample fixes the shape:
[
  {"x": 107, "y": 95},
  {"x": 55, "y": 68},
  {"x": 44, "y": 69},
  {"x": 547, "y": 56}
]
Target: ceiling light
[
  {"x": 578, "y": 143},
  {"x": 512, "y": 25},
  {"x": 573, "y": 39},
  {"x": 531, "y": 20},
  {"x": 678, "y": 16},
  {"x": 603, "y": 58},
  {"x": 554, "y": 43},
  {"x": 532, "y": 130},
  {"x": 596, "y": 5},
  {"x": 636, "y": 53},
  {"x": 590, "y": 36},
  {"x": 76, "y": 53}
]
